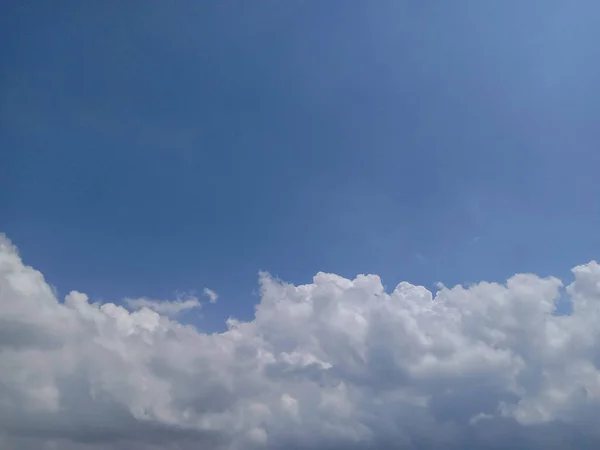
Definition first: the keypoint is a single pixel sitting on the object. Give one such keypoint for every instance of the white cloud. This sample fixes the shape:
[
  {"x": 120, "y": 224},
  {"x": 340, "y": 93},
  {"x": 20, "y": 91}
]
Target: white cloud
[
  {"x": 333, "y": 364},
  {"x": 212, "y": 295},
  {"x": 167, "y": 308}
]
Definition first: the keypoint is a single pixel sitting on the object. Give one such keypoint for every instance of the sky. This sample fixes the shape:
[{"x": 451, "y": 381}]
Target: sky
[{"x": 163, "y": 157}]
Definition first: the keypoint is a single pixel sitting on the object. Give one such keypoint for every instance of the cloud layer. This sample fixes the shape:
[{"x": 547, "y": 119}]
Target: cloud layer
[{"x": 336, "y": 364}]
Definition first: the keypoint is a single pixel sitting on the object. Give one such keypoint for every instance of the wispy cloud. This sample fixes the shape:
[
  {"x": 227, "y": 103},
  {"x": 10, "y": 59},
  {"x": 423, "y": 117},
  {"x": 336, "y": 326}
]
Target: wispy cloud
[
  {"x": 166, "y": 307},
  {"x": 212, "y": 295}
]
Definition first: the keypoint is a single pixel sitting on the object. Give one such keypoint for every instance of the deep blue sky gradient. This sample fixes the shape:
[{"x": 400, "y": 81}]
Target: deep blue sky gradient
[{"x": 149, "y": 147}]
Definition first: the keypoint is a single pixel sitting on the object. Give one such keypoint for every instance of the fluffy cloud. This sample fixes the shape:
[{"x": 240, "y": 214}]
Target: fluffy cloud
[
  {"x": 212, "y": 295},
  {"x": 333, "y": 364}
]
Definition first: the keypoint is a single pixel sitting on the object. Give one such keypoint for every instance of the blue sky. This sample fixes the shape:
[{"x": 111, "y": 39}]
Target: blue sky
[{"x": 154, "y": 147}]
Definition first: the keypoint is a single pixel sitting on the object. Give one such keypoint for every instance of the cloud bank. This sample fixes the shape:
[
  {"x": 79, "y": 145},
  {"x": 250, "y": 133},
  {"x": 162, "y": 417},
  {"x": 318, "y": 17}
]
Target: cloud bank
[{"x": 335, "y": 364}]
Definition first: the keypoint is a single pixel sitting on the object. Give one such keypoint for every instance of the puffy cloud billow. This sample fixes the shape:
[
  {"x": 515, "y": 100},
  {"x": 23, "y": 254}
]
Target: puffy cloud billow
[{"x": 336, "y": 364}]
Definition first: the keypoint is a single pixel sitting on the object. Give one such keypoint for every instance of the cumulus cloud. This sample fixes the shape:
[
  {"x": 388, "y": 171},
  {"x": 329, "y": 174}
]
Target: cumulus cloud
[
  {"x": 165, "y": 307},
  {"x": 334, "y": 364},
  {"x": 212, "y": 295}
]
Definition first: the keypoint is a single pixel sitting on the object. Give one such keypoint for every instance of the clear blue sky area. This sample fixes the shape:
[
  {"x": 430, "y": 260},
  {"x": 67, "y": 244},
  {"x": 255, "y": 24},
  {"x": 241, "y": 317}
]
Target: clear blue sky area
[{"x": 154, "y": 147}]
